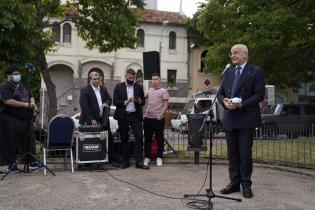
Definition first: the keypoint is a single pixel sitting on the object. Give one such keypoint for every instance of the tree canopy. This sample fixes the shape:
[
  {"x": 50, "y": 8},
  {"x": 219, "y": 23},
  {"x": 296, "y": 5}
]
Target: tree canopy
[
  {"x": 279, "y": 34},
  {"x": 26, "y": 30}
]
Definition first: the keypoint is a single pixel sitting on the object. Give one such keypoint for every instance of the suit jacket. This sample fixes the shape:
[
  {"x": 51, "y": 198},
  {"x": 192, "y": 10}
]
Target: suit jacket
[
  {"x": 120, "y": 96},
  {"x": 251, "y": 89},
  {"x": 89, "y": 106}
]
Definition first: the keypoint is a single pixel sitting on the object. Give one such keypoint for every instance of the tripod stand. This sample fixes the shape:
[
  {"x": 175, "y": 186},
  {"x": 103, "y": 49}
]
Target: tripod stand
[
  {"x": 209, "y": 192},
  {"x": 169, "y": 146},
  {"x": 26, "y": 166},
  {"x": 28, "y": 153}
]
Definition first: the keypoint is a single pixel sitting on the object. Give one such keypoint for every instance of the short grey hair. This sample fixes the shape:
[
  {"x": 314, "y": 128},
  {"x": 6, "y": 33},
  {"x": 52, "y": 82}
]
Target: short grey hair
[{"x": 242, "y": 47}]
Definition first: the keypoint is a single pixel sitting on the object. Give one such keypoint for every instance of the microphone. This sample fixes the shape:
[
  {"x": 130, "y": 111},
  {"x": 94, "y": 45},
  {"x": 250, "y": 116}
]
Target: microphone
[
  {"x": 226, "y": 68},
  {"x": 30, "y": 67}
]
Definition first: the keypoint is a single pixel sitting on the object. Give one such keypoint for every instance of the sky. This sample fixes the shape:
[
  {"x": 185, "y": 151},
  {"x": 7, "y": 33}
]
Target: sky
[{"x": 189, "y": 7}]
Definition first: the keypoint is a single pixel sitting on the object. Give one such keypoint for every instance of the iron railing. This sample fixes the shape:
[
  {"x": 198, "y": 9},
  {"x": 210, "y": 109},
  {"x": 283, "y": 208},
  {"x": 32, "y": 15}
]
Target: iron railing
[
  {"x": 270, "y": 145},
  {"x": 290, "y": 146}
]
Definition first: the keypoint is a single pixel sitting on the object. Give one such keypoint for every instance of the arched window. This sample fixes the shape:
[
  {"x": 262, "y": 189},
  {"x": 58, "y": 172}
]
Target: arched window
[
  {"x": 67, "y": 33},
  {"x": 203, "y": 60},
  {"x": 56, "y": 31},
  {"x": 172, "y": 40},
  {"x": 140, "y": 35}
]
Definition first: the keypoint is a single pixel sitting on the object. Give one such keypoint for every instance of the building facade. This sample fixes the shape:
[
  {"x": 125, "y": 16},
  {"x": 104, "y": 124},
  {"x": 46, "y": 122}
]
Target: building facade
[{"x": 160, "y": 31}]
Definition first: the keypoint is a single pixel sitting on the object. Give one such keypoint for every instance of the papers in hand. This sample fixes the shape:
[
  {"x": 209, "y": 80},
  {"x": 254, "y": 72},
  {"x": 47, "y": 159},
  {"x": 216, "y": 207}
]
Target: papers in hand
[{"x": 236, "y": 100}]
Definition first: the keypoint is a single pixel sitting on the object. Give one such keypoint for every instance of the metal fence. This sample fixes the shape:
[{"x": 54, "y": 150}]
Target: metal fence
[{"x": 291, "y": 146}]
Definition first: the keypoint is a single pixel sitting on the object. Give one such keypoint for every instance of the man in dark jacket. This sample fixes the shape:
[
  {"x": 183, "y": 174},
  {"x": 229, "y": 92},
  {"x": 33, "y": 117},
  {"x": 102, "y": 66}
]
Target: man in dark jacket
[
  {"x": 94, "y": 102},
  {"x": 129, "y": 100},
  {"x": 242, "y": 89}
]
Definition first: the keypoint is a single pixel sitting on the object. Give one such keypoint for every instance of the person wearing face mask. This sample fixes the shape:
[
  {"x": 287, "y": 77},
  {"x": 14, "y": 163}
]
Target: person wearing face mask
[
  {"x": 128, "y": 97},
  {"x": 17, "y": 120}
]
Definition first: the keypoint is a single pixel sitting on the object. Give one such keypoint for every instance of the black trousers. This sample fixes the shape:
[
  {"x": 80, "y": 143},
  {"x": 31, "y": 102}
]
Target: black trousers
[
  {"x": 153, "y": 126},
  {"x": 110, "y": 140},
  {"x": 131, "y": 121},
  {"x": 239, "y": 147},
  {"x": 16, "y": 135}
]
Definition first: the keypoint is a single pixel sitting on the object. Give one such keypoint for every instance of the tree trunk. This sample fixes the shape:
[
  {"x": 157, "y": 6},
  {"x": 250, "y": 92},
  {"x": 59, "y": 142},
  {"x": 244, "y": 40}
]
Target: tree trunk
[{"x": 51, "y": 88}]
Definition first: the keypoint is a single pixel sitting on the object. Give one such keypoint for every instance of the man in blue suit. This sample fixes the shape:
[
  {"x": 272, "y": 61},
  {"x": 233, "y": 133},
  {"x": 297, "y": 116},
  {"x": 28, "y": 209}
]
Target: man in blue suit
[
  {"x": 241, "y": 117},
  {"x": 129, "y": 99}
]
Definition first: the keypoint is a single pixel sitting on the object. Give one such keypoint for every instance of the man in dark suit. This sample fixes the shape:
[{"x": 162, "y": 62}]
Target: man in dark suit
[
  {"x": 129, "y": 100},
  {"x": 241, "y": 117},
  {"x": 95, "y": 102}
]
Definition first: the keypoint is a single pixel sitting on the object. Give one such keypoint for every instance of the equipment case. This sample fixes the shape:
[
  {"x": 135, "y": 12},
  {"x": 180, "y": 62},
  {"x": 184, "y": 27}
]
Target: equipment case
[{"x": 91, "y": 147}]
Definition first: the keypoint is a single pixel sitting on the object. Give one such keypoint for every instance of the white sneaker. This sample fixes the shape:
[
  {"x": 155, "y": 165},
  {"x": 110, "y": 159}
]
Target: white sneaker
[
  {"x": 159, "y": 162},
  {"x": 146, "y": 161}
]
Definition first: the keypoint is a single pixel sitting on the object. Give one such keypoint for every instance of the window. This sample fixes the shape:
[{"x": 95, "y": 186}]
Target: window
[
  {"x": 56, "y": 31},
  {"x": 203, "y": 60},
  {"x": 171, "y": 78},
  {"x": 67, "y": 33},
  {"x": 140, "y": 35},
  {"x": 172, "y": 40}
]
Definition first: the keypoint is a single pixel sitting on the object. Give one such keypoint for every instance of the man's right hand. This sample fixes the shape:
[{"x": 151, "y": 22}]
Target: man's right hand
[
  {"x": 131, "y": 99},
  {"x": 227, "y": 103}
]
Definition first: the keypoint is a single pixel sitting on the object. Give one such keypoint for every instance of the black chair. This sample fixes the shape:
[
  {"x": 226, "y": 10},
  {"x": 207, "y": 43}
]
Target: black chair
[{"x": 59, "y": 137}]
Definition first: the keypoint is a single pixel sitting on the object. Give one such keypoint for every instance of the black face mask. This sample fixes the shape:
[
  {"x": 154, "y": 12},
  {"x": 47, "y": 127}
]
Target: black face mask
[{"x": 130, "y": 82}]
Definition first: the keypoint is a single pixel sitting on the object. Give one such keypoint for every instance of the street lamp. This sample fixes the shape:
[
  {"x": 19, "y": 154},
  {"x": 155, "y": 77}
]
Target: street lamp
[{"x": 165, "y": 23}]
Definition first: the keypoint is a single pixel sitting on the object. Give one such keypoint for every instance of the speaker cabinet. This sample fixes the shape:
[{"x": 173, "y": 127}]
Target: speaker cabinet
[{"x": 151, "y": 64}]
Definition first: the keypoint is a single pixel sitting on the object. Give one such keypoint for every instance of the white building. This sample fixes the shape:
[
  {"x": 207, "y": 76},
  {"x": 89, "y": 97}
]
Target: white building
[{"x": 70, "y": 63}]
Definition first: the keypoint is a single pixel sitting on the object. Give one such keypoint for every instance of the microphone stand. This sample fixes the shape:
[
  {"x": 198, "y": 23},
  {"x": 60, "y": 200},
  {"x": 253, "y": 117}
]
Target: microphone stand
[{"x": 209, "y": 192}]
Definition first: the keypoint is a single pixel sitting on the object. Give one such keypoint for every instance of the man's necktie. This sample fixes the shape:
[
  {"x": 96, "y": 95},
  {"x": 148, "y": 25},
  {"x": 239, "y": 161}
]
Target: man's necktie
[{"x": 237, "y": 77}]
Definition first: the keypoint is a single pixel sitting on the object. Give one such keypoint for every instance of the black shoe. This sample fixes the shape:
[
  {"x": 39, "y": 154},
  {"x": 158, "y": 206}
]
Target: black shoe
[
  {"x": 13, "y": 168},
  {"x": 142, "y": 166},
  {"x": 2, "y": 173},
  {"x": 125, "y": 165},
  {"x": 247, "y": 192},
  {"x": 35, "y": 165},
  {"x": 230, "y": 189}
]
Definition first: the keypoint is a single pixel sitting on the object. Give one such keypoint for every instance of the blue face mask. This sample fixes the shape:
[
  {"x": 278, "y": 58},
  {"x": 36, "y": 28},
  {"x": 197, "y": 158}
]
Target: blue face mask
[{"x": 16, "y": 78}]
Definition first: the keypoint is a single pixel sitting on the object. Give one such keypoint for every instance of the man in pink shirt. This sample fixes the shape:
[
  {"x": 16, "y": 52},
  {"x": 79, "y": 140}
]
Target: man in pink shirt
[{"x": 154, "y": 119}]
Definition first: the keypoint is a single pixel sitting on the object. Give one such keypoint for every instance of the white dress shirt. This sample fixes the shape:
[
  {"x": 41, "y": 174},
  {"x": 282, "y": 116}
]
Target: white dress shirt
[
  {"x": 130, "y": 93},
  {"x": 99, "y": 98}
]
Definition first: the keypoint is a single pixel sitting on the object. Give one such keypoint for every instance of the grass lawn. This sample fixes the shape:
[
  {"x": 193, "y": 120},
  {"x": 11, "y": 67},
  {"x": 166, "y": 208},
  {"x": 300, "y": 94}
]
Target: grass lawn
[{"x": 295, "y": 152}]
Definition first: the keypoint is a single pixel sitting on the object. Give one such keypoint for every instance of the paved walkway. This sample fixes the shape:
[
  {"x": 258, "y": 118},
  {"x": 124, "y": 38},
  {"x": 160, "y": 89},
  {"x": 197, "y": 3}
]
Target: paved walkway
[{"x": 273, "y": 189}]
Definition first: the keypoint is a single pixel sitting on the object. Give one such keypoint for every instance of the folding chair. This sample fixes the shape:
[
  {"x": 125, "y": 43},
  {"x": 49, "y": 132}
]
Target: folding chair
[{"x": 59, "y": 137}]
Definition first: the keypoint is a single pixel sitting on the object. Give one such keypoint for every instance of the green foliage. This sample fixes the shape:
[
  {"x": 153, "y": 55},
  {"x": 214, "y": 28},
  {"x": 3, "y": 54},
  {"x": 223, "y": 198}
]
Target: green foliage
[
  {"x": 17, "y": 40},
  {"x": 111, "y": 24},
  {"x": 26, "y": 31},
  {"x": 16, "y": 32},
  {"x": 279, "y": 34}
]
